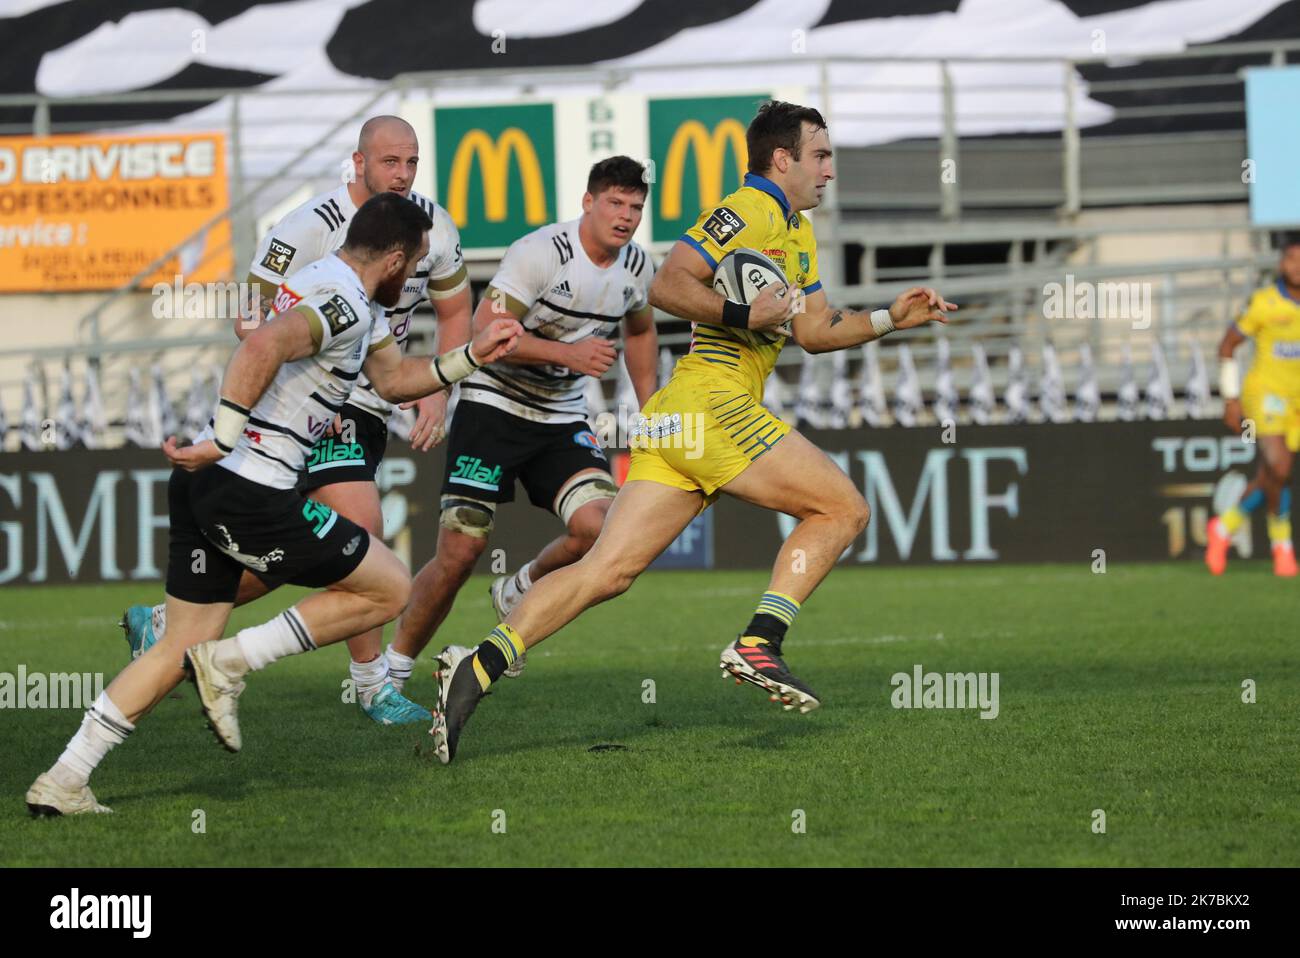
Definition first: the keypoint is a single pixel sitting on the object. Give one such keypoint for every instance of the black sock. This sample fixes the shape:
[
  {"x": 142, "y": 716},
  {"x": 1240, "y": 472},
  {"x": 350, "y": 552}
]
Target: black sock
[
  {"x": 495, "y": 653},
  {"x": 767, "y": 627}
]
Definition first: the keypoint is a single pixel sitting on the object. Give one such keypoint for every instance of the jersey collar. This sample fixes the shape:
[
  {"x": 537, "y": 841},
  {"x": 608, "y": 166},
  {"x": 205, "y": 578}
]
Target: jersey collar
[
  {"x": 771, "y": 189},
  {"x": 344, "y": 197},
  {"x": 1281, "y": 289}
]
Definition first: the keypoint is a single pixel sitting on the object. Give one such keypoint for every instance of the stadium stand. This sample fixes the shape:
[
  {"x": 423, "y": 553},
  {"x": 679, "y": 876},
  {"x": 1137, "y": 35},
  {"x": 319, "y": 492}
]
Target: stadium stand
[{"x": 1117, "y": 168}]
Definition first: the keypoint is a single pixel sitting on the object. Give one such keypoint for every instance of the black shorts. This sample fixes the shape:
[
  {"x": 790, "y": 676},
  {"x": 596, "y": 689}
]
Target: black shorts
[
  {"x": 222, "y": 524},
  {"x": 332, "y": 460},
  {"x": 488, "y": 449}
]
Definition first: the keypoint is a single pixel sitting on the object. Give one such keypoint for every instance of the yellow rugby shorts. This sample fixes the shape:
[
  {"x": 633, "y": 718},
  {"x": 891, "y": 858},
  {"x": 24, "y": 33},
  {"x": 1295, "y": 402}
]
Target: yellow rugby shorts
[
  {"x": 700, "y": 433},
  {"x": 1275, "y": 413}
]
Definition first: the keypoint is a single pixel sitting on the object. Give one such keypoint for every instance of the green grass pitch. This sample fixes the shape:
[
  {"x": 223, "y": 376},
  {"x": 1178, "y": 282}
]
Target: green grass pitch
[{"x": 1120, "y": 691}]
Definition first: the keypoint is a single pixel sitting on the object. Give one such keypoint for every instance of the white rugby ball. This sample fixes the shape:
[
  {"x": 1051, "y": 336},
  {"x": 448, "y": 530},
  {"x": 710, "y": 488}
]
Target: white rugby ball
[{"x": 741, "y": 276}]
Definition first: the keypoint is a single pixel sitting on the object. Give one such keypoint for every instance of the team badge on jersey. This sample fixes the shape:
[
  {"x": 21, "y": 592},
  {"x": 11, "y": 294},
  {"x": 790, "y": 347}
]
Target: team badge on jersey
[
  {"x": 723, "y": 226},
  {"x": 278, "y": 257},
  {"x": 804, "y": 263},
  {"x": 338, "y": 313}
]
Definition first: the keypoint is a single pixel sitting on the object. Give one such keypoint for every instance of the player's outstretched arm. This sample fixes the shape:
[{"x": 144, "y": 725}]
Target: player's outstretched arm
[
  {"x": 255, "y": 362},
  {"x": 683, "y": 287},
  {"x": 401, "y": 379},
  {"x": 821, "y": 328}
]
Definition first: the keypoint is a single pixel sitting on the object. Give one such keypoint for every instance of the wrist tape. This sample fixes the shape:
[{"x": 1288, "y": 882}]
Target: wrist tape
[
  {"x": 228, "y": 424},
  {"x": 735, "y": 315},
  {"x": 454, "y": 365},
  {"x": 1229, "y": 379}
]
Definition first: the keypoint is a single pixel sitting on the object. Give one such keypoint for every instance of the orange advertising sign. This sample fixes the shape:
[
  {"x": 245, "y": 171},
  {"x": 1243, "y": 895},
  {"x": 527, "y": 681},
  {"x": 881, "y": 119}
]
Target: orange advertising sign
[{"x": 89, "y": 212}]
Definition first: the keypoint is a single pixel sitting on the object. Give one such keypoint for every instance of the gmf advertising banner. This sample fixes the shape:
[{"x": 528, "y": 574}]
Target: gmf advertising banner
[
  {"x": 89, "y": 212},
  {"x": 1076, "y": 492}
]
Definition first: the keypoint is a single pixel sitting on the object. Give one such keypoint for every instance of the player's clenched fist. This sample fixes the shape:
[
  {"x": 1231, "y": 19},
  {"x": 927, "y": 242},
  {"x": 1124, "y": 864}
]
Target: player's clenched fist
[
  {"x": 591, "y": 356},
  {"x": 191, "y": 458},
  {"x": 496, "y": 340}
]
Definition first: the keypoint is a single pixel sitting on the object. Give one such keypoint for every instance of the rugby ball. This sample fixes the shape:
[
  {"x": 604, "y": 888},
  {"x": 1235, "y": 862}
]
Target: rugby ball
[{"x": 741, "y": 276}]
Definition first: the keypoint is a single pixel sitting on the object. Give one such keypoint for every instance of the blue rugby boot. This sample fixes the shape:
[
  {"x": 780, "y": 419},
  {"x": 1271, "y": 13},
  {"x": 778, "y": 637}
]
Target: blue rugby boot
[
  {"x": 390, "y": 707},
  {"x": 137, "y": 623}
]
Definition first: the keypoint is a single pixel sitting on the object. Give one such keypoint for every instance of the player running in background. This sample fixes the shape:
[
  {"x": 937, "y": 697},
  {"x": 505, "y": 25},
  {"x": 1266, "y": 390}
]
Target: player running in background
[
  {"x": 340, "y": 471},
  {"x": 280, "y": 392},
  {"x": 1270, "y": 398},
  {"x": 571, "y": 285},
  {"x": 740, "y": 448}
]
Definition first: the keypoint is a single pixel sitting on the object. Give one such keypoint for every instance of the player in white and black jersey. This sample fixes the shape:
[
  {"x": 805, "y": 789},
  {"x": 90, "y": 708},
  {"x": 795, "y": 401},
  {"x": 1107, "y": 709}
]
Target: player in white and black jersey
[
  {"x": 233, "y": 505},
  {"x": 571, "y": 285},
  {"x": 385, "y": 160},
  {"x": 340, "y": 472}
]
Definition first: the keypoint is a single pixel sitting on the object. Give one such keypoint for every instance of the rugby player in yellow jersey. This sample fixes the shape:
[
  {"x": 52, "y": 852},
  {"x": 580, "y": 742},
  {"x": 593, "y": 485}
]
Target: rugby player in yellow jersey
[
  {"x": 705, "y": 432},
  {"x": 1270, "y": 397}
]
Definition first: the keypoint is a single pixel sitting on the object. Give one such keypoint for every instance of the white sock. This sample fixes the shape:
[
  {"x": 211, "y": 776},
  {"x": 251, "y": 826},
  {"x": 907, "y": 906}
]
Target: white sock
[
  {"x": 517, "y": 585},
  {"x": 230, "y": 657},
  {"x": 103, "y": 727},
  {"x": 261, "y": 645},
  {"x": 400, "y": 667},
  {"x": 160, "y": 620},
  {"x": 369, "y": 677}
]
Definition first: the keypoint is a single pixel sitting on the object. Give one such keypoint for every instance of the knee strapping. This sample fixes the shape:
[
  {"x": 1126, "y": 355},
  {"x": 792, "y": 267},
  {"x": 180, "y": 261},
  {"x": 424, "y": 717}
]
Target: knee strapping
[
  {"x": 471, "y": 517},
  {"x": 582, "y": 489}
]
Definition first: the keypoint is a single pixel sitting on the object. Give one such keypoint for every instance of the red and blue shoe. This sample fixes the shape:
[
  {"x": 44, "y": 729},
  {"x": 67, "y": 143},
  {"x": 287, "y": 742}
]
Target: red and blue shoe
[{"x": 759, "y": 662}]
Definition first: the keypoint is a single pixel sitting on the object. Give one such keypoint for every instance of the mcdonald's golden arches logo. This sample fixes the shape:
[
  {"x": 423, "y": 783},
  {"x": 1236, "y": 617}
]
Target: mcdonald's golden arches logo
[
  {"x": 496, "y": 170},
  {"x": 698, "y": 148}
]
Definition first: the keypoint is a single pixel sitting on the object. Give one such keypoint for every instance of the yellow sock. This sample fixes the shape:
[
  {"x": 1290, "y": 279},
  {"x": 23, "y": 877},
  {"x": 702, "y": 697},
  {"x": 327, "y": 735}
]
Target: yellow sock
[
  {"x": 1232, "y": 520},
  {"x": 1279, "y": 529}
]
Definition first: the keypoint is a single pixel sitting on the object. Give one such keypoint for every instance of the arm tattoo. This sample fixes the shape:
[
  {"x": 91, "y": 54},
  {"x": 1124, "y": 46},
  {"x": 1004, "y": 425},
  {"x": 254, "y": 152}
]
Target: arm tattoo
[{"x": 837, "y": 317}]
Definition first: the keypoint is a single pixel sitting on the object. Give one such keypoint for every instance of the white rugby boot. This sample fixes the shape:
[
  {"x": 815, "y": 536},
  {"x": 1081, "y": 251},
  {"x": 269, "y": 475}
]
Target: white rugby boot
[
  {"x": 47, "y": 797},
  {"x": 219, "y": 694}
]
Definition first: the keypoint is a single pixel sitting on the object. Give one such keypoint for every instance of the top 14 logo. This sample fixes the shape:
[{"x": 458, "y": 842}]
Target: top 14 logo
[{"x": 1206, "y": 457}]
